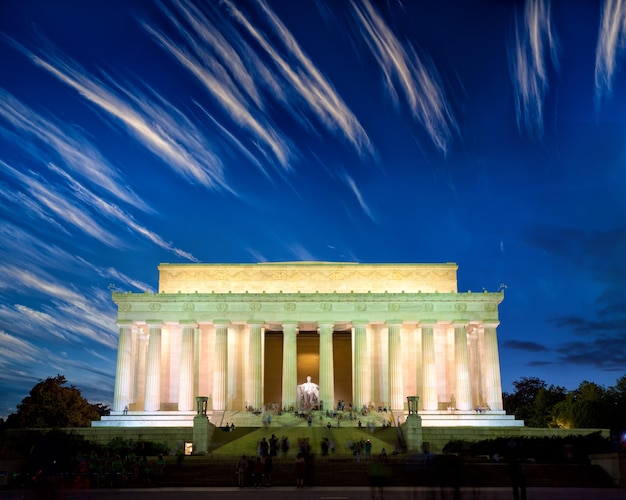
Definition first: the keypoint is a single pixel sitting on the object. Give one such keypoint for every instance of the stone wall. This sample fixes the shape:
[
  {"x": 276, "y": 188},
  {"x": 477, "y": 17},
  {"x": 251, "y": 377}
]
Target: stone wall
[
  {"x": 437, "y": 437},
  {"x": 102, "y": 435}
]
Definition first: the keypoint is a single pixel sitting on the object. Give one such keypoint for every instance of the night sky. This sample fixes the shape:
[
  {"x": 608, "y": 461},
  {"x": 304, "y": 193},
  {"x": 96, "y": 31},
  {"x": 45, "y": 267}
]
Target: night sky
[{"x": 486, "y": 133}]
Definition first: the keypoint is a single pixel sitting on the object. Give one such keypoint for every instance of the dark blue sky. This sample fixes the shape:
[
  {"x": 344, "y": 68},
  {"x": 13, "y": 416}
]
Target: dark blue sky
[{"x": 487, "y": 133}]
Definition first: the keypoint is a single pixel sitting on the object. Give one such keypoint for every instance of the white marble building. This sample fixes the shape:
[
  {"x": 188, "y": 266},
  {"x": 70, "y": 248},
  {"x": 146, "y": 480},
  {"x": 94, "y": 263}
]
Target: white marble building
[{"x": 247, "y": 334}]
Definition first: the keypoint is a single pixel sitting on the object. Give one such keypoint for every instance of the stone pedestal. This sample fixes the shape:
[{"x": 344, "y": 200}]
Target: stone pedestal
[
  {"x": 414, "y": 436},
  {"x": 200, "y": 435},
  {"x": 201, "y": 428}
]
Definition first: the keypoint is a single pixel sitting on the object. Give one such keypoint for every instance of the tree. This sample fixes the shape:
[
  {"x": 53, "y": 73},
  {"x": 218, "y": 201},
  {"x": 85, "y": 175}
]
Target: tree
[
  {"x": 589, "y": 406},
  {"x": 52, "y": 405},
  {"x": 519, "y": 403},
  {"x": 541, "y": 410},
  {"x": 533, "y": 401}
]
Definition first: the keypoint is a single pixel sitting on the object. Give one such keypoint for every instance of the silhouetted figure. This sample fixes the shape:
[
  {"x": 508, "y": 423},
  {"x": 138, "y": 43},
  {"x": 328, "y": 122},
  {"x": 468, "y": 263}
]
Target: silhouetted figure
[
  {"x": 378, "y": 474},
  {"x": 300, "y": 470},
  {"x": 518, "y": 481}
]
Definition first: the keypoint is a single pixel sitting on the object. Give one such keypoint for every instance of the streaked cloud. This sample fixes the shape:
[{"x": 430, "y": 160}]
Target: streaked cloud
[
  {"x": 117, "y": 277},
  {"x": 357, "y": 193},
  {"x": 18, "y": 349},
  {"x": 76, "y": 152},
  {"x": 211, "y": 59},
  {"x": 50, "y": 202},
  {"x": 63, "y": 311},
  {"x": 611, "y": 45},
  {"x": 155, "y": 123},
  {"x": 530, "y": 55},
  {"x": 407, "y": 74},
  {"x": 118, "y": 215},
  {"x": 312, "y": 93},
  {"x": 301, "y": 253}
]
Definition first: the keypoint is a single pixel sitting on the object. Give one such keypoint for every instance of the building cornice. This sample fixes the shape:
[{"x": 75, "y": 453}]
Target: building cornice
[{"x": 280, "y": 307}]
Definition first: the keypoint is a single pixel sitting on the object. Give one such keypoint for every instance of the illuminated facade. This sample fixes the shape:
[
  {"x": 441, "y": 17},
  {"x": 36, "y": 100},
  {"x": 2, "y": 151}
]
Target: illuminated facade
[{"x": 247, "y": 335}]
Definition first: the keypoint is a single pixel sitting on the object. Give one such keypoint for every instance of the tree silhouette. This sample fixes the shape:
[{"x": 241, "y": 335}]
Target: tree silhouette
[{"x": 53, "y": 405}]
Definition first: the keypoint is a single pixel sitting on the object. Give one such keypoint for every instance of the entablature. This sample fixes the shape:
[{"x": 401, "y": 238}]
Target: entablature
[{"x": 337, "y": 307}]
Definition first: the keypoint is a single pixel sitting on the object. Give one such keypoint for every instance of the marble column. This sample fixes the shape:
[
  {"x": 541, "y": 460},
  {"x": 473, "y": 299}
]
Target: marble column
[
  {"x": 396, "y": 387},
  {"x": 123, "y": 378},
  {"x": 491, "y": 367},
  {"x": 290, "y": 367},
  {"x": 360, "y": 370},
  {"x": 327, "y": 370},
  {"x": 461, "y": 363},
  {"x": 220, "y": 370},
  {"x": 134, "y": 362},
  {"x": 255, "y": 353},
  {"x": 419, "y": 375},
  {"x": 186, "y": 373},
  {"x": 429, "y": 373},
  {"x": 140, "y": 372},
  {"x": 152, "y": 400}
]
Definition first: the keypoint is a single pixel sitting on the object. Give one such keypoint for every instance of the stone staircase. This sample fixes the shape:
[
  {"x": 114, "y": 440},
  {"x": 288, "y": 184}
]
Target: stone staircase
[
  {"x": 335, "y": 471},
  {"x": 244, "y": 440}
]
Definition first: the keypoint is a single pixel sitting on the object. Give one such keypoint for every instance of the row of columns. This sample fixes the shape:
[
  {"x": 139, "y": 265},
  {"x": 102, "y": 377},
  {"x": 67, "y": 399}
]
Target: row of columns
[{"x": 125, "y": 379}]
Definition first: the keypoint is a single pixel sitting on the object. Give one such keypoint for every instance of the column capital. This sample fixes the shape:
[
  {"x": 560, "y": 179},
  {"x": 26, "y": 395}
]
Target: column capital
[
  {"x": 256, "y": 323},
  {"x": 490, "y": 324},
  {"x": 426, "y": 323},
  {"x": 221, "y": 322},
  {"x": 393, "y": 322},
  {"x": 125, "y": 323},
  {"x": 325, "y": 325},
  {"x": 154, "y": 323},
  {"x": 188, "y": 323},
  {"x": 292, "y": 326},
  {"x": 460, "y": 323}
]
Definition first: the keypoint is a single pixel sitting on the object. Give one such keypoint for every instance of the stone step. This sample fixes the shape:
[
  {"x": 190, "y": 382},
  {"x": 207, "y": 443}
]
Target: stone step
[{"x": 443, "y": 471}]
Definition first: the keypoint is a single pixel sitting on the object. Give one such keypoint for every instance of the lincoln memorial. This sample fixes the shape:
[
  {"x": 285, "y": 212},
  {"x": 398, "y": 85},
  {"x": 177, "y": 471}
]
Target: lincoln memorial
[{"x": 249, "y": 336}]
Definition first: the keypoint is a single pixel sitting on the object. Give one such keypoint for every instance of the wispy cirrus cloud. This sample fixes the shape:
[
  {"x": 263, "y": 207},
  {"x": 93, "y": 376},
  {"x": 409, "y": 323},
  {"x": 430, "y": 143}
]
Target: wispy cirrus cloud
[
  {"x": 357, "y": 193},
  {"x": 73, "y": 149},
  {"x": 214, "y": 62},
  {"x": 29, "y": 252},
  {"x": 534, "y": 48},
  {"x": 120, "y": 216},
  {"x": 301, "y": 253},
  {"x": 310, "y": 92},
  {"x": 77, "y": 208},
  {"x": 48, "y": 202},
  {"x": 23, "y": 364},
  {"x": 408, "y": 74},
  {"x": 611, "y": 45},
  {"x": 19, "y": 349},
  {"x": 117, "y": 276},
  {"x": 64, "y": 311},
  {"x": 156, "y": 124}
]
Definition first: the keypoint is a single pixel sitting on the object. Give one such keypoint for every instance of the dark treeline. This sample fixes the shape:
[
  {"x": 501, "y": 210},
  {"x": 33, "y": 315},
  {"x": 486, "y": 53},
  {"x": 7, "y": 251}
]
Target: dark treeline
[{"x": 589, "y": 406}]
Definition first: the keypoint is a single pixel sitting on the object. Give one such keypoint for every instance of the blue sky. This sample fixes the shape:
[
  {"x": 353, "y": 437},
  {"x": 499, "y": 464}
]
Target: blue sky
[{"x": 486, "y": 133}]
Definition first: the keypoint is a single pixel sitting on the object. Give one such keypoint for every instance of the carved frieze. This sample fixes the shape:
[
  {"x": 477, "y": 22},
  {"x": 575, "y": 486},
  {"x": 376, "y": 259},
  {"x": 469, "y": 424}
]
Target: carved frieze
[{"x": 307, "y": 277}]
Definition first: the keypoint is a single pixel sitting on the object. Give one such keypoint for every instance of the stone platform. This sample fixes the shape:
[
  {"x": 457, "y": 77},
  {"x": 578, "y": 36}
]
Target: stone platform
[{"x": 454, "y": 418}]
